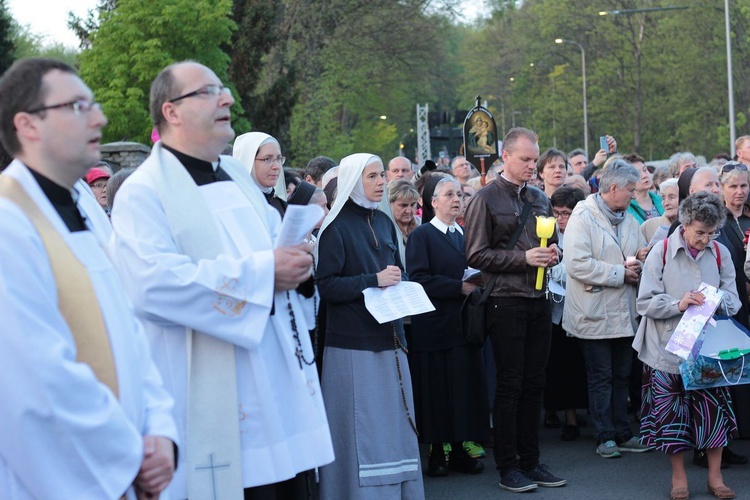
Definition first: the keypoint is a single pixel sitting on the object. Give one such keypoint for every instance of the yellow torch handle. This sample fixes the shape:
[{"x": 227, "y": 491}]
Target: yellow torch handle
[{"x": 540, "y": 270}]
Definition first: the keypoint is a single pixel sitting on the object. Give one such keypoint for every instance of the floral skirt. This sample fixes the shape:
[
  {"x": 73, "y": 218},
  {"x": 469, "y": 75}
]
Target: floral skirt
[{"x": 674, "y": 419}]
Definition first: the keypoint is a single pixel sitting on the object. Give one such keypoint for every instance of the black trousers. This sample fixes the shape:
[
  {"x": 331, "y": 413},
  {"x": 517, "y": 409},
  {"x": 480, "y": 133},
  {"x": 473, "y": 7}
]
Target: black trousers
[
  {"x": 300, "y": 487},
  {"x": 520, "y": 331}
]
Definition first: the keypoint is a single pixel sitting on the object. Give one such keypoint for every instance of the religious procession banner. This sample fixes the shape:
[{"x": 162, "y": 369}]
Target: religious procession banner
[{"x": 480, "y": 139}]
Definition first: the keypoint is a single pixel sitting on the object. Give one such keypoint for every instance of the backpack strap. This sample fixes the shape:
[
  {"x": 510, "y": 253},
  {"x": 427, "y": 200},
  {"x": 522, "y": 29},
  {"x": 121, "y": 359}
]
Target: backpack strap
[
  {"x": 664, "y": 254},
  {"x": 718, "y": 254}
]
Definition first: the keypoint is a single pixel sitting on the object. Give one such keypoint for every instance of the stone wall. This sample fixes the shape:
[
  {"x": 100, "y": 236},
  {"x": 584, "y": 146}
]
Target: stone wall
[{"x": 124, "y": 154}]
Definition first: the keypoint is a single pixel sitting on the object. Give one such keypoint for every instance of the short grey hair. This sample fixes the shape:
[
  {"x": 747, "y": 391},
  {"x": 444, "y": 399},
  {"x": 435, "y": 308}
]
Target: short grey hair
[
  {"x": 671, "y": 182},
  {"x": 401, "y": 188},
  {"x": 456, "y": 158},
  {"x": 678, "y": 159},
  {"x": 442, "y": 182},
  {"x": 576, "y": 152},
  {"x": 703, "y": 207},
  {"x": 618, "y": 173}
]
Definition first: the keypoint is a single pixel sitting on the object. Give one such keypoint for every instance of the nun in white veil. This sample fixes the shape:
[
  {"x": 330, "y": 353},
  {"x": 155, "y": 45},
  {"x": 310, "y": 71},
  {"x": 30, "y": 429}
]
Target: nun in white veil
[
  {"x": 377, "y": 455},
  {"x": 260, "y": 153}
]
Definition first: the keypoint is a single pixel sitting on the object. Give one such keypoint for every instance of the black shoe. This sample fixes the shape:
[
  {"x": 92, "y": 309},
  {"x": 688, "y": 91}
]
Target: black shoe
[
  {"x": 516, "y": 480},
  {"x": 701, "y": 459},
  {"x": 543, "y": 477},
  {"x": 730, "y": 457},
  {"x": 460, "y": 461},
  {"x": 552, "y": 421},
  {"x": 570, "y": 433},
  {"x": 436, "y": 464}
]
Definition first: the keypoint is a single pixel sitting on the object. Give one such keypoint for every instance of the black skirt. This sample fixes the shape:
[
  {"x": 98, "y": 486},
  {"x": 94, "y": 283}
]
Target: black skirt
[
  {"x": 450, "y": 395},
  {"x": 566, "y": 385}
]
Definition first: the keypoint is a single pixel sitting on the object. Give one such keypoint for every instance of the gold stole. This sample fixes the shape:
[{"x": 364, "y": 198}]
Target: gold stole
[{"x": 74, "y": 289}]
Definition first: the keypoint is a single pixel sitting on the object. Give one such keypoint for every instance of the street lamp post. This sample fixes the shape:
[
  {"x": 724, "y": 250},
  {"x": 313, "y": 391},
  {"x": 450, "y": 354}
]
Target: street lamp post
[
  {"x": 730, "y": 86},
  {"x": 585, "y": 107}
]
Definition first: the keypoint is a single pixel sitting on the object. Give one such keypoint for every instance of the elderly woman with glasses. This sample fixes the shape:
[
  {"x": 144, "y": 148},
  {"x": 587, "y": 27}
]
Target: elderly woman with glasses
[
  {"x": 448, "y": 376},
  {"x": 673, "y": 419}
]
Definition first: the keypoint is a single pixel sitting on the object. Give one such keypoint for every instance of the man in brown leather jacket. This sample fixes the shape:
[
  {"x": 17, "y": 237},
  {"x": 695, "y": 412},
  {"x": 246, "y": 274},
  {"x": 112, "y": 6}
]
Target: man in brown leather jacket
[{"x": 518, "y": 317}]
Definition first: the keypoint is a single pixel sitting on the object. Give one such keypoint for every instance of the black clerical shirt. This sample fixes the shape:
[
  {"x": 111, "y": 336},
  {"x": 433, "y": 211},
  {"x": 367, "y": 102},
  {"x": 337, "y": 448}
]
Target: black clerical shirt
[
  {"x": 201, "y": 171},
  {"x": 62, "y": 200}
]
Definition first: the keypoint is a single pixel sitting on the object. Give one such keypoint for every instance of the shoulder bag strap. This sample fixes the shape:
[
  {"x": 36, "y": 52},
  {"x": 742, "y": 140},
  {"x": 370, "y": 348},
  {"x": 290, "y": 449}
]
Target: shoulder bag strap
[{"x": 511, "y": 243}]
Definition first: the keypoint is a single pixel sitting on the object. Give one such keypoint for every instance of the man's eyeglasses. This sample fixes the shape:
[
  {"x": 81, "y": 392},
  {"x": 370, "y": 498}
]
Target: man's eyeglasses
[
  {"x": 561, "y": 215},
  {"x": 209, "y": 90},
  {"x": 732, "y": 165},
  {"x": 269, "y": 160},
  {"x": 78, "y": 106}
]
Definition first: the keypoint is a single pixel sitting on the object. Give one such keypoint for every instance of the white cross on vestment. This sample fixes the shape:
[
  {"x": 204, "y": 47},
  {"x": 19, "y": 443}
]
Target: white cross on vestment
[{"x": 212, "y": 466}]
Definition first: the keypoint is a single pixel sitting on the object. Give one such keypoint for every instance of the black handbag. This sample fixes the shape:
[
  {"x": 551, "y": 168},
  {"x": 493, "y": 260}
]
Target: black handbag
[{"x": 474, "y": 307}]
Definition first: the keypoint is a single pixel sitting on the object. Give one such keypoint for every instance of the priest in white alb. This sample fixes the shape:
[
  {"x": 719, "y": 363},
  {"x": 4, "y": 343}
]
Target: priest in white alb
[
  {"x": 83, "y": 414},
  {"x": 194, "y": 242}
]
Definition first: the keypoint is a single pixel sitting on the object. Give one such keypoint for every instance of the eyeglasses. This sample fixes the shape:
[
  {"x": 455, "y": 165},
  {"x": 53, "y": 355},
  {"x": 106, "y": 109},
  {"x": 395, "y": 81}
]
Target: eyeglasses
[
  {"x": 452, "y": 194},
  {"x": 99, "y": 185},
  {"x": 732, "y": 165},
  {"x": 561, "y": 215},
  {"x": 78, "y": 106},
  {"x": 209, "y": 90},
  {"x": 701, "y": 235},
  {"x": 270, "y": 160}
]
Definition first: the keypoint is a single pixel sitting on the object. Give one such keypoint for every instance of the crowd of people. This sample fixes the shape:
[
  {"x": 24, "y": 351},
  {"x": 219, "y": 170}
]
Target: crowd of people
[{"x": 165, "y": 344}]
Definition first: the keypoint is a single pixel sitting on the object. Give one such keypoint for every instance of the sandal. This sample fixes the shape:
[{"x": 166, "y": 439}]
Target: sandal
[{"x": 679, "y": 494}]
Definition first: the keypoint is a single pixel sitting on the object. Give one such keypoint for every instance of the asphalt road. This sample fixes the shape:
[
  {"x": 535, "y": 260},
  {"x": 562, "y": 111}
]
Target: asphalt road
[{"x": 635, "y": 476}]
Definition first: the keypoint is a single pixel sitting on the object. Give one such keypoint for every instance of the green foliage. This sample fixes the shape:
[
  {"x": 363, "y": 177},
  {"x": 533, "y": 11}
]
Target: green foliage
[
  {"x": 318, "y": 75},
  {"x": 656, "y": 81},
  {"x": 139, "y": 38},
  {"x": 359, "y": 60},
  {"x": 29, "y": 44},
  {"x": 7, "y": 47}
]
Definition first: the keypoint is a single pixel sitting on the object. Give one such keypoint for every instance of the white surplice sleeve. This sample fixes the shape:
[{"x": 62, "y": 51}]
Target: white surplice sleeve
[
  {"x": 227, "y": 297},
  {"x": 63, "y": 434}
]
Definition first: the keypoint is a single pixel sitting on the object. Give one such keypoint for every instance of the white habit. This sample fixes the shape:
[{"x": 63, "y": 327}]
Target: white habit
[
  {"x": 283, "y": 425},
  {"x": 64, "y": 434}
]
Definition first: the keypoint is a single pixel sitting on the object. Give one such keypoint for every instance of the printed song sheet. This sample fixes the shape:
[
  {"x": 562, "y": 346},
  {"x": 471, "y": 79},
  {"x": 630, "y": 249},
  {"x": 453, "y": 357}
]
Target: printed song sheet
[
  {"x": 298, "y": 221},
  {"x": 394, "y": 302}
]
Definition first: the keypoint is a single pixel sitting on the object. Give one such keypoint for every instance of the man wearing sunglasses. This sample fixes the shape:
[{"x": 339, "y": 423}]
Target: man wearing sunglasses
[
  {"x": 84, "y": 414},
  {"x": 194, "y": 241}
]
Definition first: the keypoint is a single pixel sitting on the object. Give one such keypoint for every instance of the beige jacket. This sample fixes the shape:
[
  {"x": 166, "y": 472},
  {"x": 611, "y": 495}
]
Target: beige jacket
[
  {"x": 664, "y": 281},
  {"x": 598, "y": 303}
]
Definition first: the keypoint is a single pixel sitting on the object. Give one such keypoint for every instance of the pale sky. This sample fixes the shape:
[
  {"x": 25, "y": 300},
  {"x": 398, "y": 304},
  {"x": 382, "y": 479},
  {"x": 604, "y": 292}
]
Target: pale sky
[{"x": 49, "y": 17}]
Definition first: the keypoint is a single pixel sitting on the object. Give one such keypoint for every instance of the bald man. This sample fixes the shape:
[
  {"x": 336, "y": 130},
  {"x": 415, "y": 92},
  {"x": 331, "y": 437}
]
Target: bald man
[
  {"x": 399, "y": 168},
  {"x": 705, "y": 179}
]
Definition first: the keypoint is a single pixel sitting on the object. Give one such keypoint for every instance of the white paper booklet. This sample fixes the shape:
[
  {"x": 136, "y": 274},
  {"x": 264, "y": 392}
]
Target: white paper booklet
[{"x": 394, "y": 302}]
